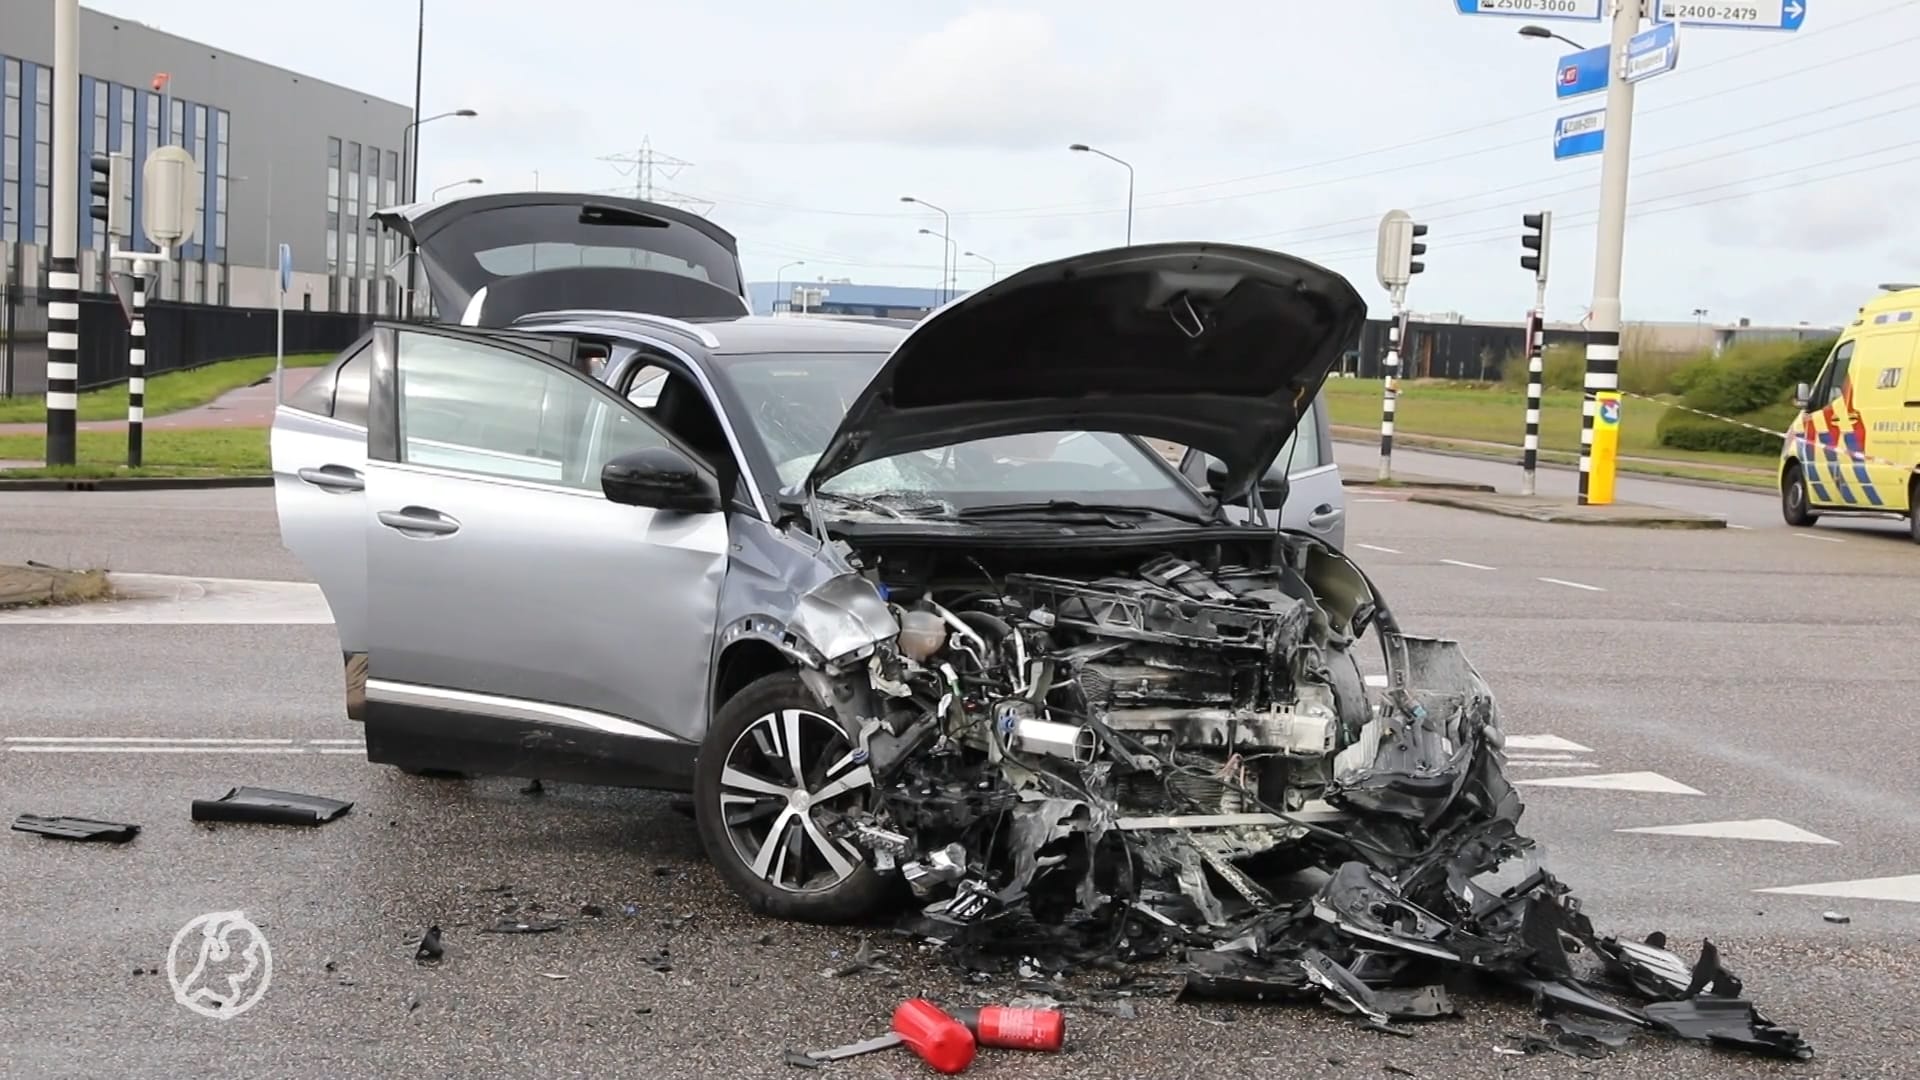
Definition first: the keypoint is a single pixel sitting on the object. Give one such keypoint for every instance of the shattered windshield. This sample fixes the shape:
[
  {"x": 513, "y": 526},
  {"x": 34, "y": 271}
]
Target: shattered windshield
[{"x": 795, "y": 402}]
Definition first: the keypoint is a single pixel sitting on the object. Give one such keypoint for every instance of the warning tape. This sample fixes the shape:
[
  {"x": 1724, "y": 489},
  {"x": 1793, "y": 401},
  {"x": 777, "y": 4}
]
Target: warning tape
[{"x": 1798, "y": 439}]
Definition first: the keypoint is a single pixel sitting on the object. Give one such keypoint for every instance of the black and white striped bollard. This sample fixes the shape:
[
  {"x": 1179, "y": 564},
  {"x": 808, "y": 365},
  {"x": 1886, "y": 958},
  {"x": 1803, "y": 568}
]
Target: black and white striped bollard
[
  {"x": 137, "y": 370},
  {"x": 1536, "y": 369},
  {"x": 1389, "y": 390}
]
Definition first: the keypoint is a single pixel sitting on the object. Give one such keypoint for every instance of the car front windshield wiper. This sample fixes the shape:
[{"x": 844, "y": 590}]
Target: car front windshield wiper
[
  {"x": 1075, "y": 507},
  {"x": 873, "y": 504}
]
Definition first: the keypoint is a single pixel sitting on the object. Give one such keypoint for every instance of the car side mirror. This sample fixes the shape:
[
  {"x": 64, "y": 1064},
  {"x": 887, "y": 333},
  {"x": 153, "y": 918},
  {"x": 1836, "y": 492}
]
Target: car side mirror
[
  {"x": 1801, "y": 395},
  {"x": 661, "y": 478},
  {"x": 1273, "y": 489}
]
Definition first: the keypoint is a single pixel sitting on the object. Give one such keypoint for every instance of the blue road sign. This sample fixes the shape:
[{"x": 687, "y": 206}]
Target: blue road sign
[
  {"x": 1579, "y": 135},
  {"x": 1610, "y": 412},
  {"x": 1747, "y": 15},
  {"x": 1653, "y": 52},
  {"x": 1582, "y": 73},
  {"x": 1576, "y": 10},
  {"x": 286, "y": 267}
]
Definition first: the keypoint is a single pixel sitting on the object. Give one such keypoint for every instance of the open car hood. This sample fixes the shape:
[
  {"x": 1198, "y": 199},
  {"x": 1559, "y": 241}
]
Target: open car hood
[
  {"x": 1213, "y": 346},
  {"x": 490, "y": 259}
]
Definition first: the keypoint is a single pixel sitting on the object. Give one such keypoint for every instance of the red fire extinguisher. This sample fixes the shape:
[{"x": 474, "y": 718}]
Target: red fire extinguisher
[
  {"x": 937, "y": 1038},
  {"x": 1015, "y": 1029}
]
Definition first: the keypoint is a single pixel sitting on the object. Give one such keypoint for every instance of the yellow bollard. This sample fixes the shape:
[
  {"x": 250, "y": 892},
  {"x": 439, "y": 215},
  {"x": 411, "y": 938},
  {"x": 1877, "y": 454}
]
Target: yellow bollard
[{"x": 1606, "y": 447}]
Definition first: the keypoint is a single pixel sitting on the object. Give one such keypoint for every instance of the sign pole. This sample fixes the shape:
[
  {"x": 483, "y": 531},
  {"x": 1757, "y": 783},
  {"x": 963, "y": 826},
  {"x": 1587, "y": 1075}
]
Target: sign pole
[
  {"x": 1603, "y": 337},
  {"x": 280, "y": 326},
  {"x": 63, "y": 274}
]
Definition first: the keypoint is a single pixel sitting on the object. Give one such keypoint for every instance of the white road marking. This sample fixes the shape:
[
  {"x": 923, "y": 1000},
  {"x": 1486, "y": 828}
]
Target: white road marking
[
  {"x": 354, "y": 750},
  {"x": 1770, "y": 829},
  {"x": 1743, "y": 528},
  {"x": 1539, "y": 757},
  {"x": 142, "y": 739},
  {"x": 1551, "y": 765},
  {"x": 1545, "y": 742},
  {"x": 1627, "y": 781},
  {"x": 1374, "y": 501},
  {"x": 337, "y": 742},
  {"x": 1822, "y": 539},
  {"x": 163, "y": 599},
  {"x": 1376, "y": 547},
  {"x": 1904, "y": 888},
  {"x": 157, "y": 749},
  {"x": 1572, "y": 584},
  {"x": 1468, "y": 565}
]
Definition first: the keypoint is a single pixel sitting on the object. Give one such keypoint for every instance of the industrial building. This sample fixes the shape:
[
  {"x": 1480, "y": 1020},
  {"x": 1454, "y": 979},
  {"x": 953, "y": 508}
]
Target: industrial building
[{"x": 284, "y": 157}]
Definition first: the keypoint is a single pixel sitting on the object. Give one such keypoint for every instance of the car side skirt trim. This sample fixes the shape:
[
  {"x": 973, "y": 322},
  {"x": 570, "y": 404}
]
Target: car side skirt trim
[
  {"x": 480, "y": 734},
  {"x": 505, "y": 708}
]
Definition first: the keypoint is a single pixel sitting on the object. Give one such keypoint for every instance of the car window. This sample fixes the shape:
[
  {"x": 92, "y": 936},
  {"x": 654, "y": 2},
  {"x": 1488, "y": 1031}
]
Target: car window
[
  {"x": 317, "y": 394},
  {"x": 646, "y": 384},
  {"x": 478, "y": 408},
  {"x": 1302, "y": 452},
  {"x": 350, "y": 389},
  {"x": 1834, "y": 383}
]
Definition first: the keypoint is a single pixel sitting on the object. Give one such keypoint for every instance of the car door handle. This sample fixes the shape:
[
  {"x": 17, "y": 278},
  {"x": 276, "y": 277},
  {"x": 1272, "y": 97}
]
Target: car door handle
[
  {"x": 1325, "y": 516},
  {"x": 418, "y": 520},
  {"x": 335, "y": 478}
]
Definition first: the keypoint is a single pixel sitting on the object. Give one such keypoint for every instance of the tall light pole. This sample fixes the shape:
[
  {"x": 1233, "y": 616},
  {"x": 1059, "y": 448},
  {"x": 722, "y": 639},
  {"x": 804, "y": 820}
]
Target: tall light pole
[
  {"x": 779, "y": 280},
  {"x": 1085, "y": 149},
  {"x": 951, "y": 267},
  {"x": 1542, "y": 32},
  {"x": 410, "y": 158},
  {"x": 455, "y": 184},
  {"x": 946, "y": 230},
  {"x": 993, "y": 268}
]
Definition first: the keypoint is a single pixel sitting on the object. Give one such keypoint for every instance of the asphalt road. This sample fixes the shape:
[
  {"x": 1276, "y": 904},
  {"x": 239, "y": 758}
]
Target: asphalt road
[{"x": 1741, "y": 675}]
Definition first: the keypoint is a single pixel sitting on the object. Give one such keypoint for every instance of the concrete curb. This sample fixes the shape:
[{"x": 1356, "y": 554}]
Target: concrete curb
[
  {"x": 1618, "y": 515},
  {"x": 1422, "y": 484},
  {"x": 133, "y": 483}
]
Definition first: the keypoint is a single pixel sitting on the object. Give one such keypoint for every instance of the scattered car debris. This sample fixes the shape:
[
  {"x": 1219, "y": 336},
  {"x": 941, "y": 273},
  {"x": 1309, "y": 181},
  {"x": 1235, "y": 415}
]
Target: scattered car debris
[
  {"x": 266, "y": 807},
  {"x": 512, "y": 926},
  {"x": 1107, "y": 760},
  {"x": 533, "y": 787},
  {"x": 430, "y": 950},
  {"x": 592, "y": 911},
  {"x": 552, "y": 975},
  {"x": 76, "y": 828},
  {"x": 865, "y": 960},
  {"x": 1836, "y": 917}
]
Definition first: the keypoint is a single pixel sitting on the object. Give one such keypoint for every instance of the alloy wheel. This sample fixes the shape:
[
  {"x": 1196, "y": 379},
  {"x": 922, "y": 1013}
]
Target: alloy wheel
[{"x": 782, "y": 768}]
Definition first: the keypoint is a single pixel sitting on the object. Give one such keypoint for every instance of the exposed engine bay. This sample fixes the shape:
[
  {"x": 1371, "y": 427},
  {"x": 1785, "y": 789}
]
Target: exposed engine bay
[{"x": 1136, "y": 753}]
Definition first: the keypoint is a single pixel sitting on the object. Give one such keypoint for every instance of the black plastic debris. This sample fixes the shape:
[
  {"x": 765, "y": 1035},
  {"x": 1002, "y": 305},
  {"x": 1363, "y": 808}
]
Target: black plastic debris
[
  {"x": 430, "y": 950},
  {"x": 266, "y": 807},
  {"x": 76, "y": 828}
]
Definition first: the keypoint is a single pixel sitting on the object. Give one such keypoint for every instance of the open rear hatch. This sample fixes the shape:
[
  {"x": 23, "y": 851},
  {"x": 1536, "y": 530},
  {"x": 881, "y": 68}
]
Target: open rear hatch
[{"x": 491, "y": 259}]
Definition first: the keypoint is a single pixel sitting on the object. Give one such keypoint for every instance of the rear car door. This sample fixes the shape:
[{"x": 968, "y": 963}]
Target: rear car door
[
  {"x": 520, "y": 622},
  {"x": 319, "y": 450}
]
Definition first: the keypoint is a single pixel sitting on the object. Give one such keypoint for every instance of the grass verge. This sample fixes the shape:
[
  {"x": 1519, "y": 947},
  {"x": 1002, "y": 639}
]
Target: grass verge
[
  {"x": 172, "y": 392},
  {"x": 37, "y": 586},
  {"x": 1456, "y": 416},
  {"x": 192, "y": 452}
]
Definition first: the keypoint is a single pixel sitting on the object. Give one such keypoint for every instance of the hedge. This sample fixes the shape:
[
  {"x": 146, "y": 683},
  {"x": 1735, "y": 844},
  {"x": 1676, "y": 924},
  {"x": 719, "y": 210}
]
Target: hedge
[{"x": 1685, "y": 431}]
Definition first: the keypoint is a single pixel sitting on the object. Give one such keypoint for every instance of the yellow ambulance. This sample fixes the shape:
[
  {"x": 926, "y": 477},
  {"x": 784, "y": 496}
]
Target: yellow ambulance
[{"x": 1855, "y": 447}]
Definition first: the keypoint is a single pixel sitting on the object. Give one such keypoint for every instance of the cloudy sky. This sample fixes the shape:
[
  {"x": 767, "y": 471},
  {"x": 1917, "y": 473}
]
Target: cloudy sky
[{"x": 1775, "y": 175}]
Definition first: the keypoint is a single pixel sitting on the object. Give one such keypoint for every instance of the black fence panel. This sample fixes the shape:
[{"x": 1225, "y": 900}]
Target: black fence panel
[
  {"x": 1463, "y": 351},
  {"x": 189, "y": 335}
]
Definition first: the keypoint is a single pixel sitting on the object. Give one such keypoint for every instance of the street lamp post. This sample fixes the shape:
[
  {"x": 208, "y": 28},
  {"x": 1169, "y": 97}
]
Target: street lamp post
[
  {"x": 950, "y": 268},
  {"x": 455, "y": 184},
  {"x": 779, "y": 280},
  {"x": 946, "y": 230},
  {"x": 1085, "y": 149},
  {"x": 410, "y": 160},
  {"x": 1543, "y": 32},
  {"x": 993, "y": 268}
]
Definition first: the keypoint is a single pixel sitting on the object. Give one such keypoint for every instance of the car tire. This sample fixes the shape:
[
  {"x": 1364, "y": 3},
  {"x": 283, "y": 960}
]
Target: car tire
[
  {"x": 1913, "y": 509},
  {"x": 1794, "y": 506},
  {"x": 743, "y": 791}
]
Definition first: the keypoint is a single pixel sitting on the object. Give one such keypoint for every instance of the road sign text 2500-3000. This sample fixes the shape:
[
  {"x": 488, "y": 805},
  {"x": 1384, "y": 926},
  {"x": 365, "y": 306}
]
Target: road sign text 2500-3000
[{"x": 1535, "y": 7}]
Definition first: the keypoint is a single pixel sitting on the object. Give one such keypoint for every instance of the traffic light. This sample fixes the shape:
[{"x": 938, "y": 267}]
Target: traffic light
[
  {"x": 1536, "y": 240},
  {"x": 109, "y": 187},
  {"x": 1416, "y": 249}
]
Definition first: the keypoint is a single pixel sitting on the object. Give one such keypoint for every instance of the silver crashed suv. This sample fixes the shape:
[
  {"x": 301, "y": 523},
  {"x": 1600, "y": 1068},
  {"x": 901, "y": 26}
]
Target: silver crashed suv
[{"x": 852, "y": 585}]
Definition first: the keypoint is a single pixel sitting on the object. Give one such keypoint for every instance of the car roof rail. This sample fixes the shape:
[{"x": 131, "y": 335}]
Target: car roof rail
[{"x": 700, "y": 334}]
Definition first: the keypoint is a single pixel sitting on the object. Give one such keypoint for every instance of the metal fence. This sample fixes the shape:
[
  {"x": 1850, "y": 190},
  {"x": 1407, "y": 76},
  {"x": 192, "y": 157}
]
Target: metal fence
[
  {"x": 178, "y": 336},
  {"x": 1463, "y": 351}
]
